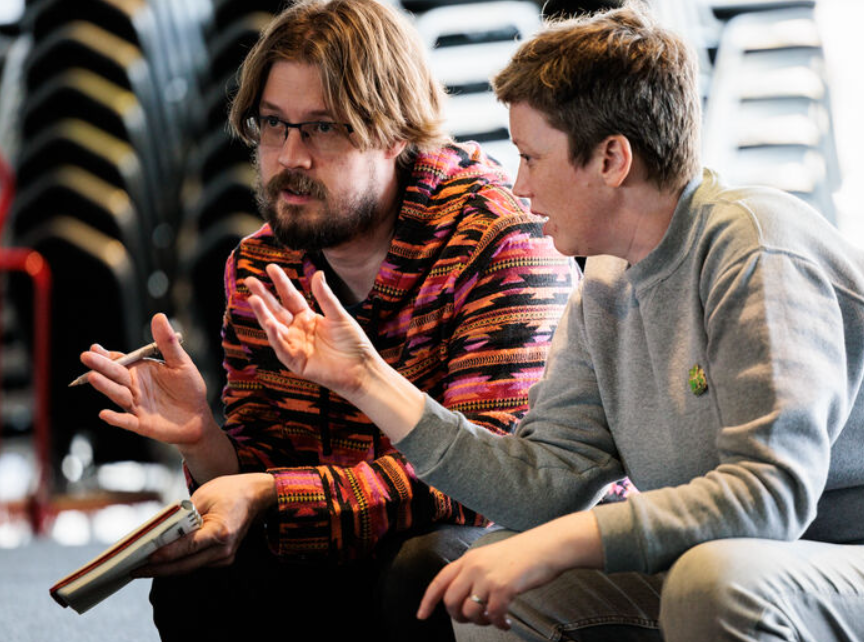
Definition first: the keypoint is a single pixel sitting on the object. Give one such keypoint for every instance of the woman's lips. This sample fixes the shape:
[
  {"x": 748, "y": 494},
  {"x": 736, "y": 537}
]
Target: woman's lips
[{"x": 545, "y": 221}]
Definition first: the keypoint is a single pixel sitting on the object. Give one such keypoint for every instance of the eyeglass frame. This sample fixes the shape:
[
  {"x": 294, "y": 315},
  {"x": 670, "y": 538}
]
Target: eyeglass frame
[{"x": 288, "y": 126}]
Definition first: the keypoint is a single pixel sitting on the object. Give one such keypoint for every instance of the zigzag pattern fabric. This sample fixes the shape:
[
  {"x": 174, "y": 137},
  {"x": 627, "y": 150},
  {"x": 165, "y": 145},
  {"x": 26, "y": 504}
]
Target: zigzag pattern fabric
[{"x": 464, "y": 306}]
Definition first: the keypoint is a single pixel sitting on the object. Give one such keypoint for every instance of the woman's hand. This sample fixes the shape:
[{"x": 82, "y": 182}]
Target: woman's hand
[
  {"x": 330, "y": 349},
  {"x": 480, "y": 586}
]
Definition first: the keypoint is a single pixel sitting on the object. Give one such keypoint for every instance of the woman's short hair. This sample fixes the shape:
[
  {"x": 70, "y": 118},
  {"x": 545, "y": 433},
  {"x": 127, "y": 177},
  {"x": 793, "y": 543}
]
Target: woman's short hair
[{"x": 614, "y": 72}]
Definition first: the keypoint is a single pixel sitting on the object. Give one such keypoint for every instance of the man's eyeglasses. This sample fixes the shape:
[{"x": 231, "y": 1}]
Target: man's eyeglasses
[{"x": 319, "y": 136}]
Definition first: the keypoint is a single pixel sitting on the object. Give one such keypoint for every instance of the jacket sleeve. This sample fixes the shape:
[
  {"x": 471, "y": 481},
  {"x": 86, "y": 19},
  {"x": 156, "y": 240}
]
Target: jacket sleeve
[
  {"x": 506, "y": 297},
  {"x": 253, "y": 422}
]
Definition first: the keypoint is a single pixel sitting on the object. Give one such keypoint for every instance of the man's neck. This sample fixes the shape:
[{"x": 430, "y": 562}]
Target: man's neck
[{"x": 357, "y": 262}]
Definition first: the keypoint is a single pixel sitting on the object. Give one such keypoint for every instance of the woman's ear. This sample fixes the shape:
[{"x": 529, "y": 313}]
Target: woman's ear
[{"x": 616, "y": 159}]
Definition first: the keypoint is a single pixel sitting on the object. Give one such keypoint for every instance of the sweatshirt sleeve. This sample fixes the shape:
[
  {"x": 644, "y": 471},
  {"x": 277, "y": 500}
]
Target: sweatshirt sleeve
[
  {"x": 776, "y": 365},
  {"x": 776, "y": 355},
  {"x": 561, "y": 459}
]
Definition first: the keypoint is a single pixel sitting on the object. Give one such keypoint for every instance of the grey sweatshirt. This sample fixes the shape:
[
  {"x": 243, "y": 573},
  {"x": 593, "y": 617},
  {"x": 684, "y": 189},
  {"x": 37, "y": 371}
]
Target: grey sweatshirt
[{"x": 722, "y": 374}]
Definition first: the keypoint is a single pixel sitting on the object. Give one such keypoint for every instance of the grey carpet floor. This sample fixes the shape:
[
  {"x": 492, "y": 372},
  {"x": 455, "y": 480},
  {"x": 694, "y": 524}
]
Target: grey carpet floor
[{"x": 29, "y": 614}]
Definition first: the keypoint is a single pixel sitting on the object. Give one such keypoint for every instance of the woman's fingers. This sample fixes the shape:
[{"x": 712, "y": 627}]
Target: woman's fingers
[
  {"x": 292, "y": 301},
  {"x": 436, "y": 589},
  {"x": 327, "y": 301}
]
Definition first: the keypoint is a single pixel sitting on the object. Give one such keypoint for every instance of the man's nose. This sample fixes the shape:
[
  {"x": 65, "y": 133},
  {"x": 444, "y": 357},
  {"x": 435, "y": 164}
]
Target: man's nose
[{"x": 294, "y": 152}]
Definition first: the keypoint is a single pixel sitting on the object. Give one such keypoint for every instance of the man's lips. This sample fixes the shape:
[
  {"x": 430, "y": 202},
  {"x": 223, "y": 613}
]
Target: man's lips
[{"x": 293, "y": 197}]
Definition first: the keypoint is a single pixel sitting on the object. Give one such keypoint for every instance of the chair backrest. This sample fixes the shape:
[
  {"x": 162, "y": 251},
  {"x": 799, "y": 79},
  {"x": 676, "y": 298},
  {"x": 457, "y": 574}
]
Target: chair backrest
[
  {"x": 201, "y": 294},
  {"x": 95, "y": 298},
  {"x": 231, "y": 190},
  {"x": 768, "y": 118},
  {"x": 86, "y": 96},
  {"x": 73, "y": 191},
  {"x": 81, "y": 44},
  {"x": 468, "y": 44},
  {"x": 75, "y": 142}
]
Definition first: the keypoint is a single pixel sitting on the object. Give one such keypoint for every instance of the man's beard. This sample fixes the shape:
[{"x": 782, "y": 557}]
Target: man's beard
[{"x": 337, "y": 222}]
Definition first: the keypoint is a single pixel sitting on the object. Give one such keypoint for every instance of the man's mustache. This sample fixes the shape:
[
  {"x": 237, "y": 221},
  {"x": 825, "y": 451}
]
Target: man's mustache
[{"x": 296, "y": 182}]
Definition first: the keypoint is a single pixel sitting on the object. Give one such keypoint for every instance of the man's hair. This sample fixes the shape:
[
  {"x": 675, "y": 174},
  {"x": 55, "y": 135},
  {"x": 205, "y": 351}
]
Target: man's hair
[
  {"x": 613, "y": 72},
  {"x": 373, "y": 69}
]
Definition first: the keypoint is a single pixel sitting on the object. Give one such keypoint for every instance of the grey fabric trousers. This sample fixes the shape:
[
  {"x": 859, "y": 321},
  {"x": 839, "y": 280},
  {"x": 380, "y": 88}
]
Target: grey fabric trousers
[{"x": 737, "y": 589}]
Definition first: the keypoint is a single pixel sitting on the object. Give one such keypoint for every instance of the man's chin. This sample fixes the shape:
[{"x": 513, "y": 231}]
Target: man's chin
[{"x": 304, "y": 239}]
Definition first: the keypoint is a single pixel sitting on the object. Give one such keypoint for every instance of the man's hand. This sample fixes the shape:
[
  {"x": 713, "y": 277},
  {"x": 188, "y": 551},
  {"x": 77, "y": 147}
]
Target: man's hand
[
  {"x": 164, "y": 401},
  {"x": 228, "y": 506}
]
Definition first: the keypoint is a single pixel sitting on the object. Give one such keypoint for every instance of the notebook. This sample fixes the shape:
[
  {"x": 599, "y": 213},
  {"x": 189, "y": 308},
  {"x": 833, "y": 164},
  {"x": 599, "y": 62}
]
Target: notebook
[{"x": 110, "y": 570}]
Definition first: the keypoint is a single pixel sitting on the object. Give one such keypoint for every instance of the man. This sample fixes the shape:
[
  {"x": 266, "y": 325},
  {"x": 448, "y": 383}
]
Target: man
[
  {"x": 714, "y": 352},
  {"x": 446, "y": 273}
]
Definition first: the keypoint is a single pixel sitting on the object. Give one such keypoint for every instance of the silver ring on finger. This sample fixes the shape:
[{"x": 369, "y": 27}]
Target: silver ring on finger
[{"x": 476, "y": 598}]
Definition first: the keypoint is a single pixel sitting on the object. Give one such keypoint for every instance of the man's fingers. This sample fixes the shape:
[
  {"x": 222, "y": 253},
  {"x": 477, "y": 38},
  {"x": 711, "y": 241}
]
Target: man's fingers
[
  {"x": 105, "y": 353},
  {"x": 106, "y": 367},
  {"x": 206, "y": 557},
  {"x": 109, "y": 378},
  {"x": 264, "y": 315},
  {"x": 168, "y": 342},
  {"x": 122, "y": 420},
  {"x": 273, "y": 305}
]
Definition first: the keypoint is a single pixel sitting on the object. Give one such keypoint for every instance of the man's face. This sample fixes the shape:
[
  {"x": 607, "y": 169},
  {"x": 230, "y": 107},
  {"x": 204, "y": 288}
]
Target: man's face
[
  {"x": 573, "y": 199},
  {"x": 313, "y": 198}
]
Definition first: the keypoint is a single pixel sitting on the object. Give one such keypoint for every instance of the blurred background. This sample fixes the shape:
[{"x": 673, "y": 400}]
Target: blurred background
[{"x": 121, "y": 195}]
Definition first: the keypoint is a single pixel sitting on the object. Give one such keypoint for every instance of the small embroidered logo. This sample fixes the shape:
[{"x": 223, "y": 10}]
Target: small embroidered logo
[{"x": 698, "y": 382}]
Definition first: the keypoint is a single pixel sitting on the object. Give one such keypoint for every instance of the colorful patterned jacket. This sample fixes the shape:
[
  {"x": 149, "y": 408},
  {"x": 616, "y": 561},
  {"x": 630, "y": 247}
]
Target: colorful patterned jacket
[{"x": 464, "y": 306}]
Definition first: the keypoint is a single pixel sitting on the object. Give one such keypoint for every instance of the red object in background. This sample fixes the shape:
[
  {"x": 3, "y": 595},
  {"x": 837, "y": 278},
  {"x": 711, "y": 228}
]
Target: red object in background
[{"x": 32, "y": 263}]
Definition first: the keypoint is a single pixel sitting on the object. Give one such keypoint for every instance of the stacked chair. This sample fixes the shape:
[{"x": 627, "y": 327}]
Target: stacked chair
[
  {"x": 110, "y": 100},
  {"x": 217, "y": 203},
  {"x": 468, "y": 43},
  {"x": 768, "y": 120}
]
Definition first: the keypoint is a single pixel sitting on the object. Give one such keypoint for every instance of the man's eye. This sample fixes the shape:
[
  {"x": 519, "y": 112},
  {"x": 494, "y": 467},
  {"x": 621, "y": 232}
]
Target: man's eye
[
  {"x": 325, "y": 128},
  {"x": 270, "y": 121}
]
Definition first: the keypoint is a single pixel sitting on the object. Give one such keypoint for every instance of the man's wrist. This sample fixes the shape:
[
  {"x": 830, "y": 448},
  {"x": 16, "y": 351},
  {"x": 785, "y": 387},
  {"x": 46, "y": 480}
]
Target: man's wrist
[
  {"x": 263, "y": 492},
  {"x": 212, "y": 455}
]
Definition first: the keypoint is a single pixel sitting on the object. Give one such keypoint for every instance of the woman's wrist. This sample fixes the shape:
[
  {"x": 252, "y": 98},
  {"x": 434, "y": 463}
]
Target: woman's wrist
[{"x": 392, "y": 402}]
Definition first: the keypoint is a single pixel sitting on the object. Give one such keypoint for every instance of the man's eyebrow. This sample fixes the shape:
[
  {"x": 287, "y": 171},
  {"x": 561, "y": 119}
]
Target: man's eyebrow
[{"x": 312, "y": 115}]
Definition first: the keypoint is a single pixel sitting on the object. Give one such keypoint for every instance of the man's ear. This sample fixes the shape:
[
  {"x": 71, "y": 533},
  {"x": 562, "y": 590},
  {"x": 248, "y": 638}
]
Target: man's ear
[
  {"x": 395, "y": 149},
  {"x": 616, "y": 159}
]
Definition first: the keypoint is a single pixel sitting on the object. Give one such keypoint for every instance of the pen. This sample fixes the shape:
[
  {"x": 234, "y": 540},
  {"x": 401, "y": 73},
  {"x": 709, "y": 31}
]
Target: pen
[{"x": 145, "y": 352}]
